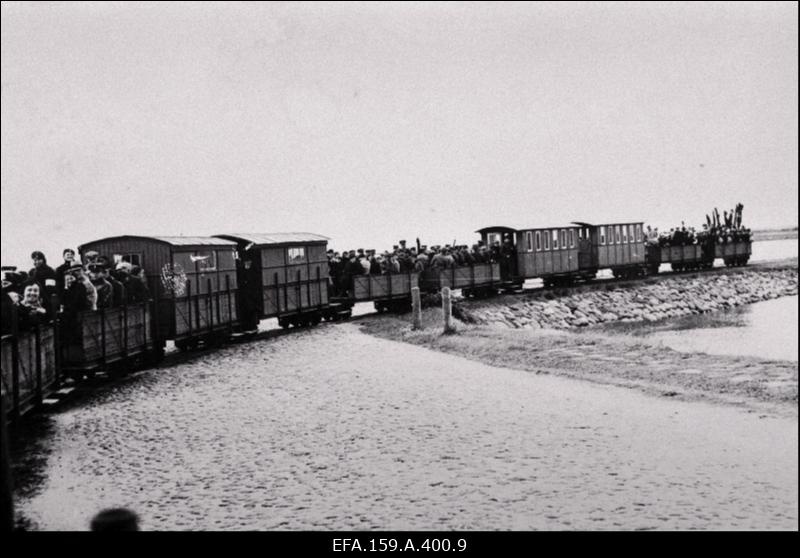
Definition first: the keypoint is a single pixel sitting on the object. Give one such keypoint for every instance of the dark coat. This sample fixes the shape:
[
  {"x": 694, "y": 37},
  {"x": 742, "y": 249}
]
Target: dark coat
[
  {"x": 117, "y": 292},
  {"x": 137, "y": 290},
  {"x": 75, "y": 298}
]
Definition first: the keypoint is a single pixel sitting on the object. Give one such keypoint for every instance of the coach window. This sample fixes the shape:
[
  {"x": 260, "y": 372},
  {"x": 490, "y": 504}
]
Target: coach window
[
  {"x": 572, "y": 238},
  {"x": 529, "y": 241},
  {"x": 618, "y": 234},
  {"x": 624, "y": 234},
  {"x": 638, "y": 233},
  {"x": 538, "y": 241},
  {"x": 205, "y": 260},
  {"x": 297, "y": 255},
  {"x": 602, "y": 236},
  {"x": 555, "y": 239},
  {"x": 563, "y": 239},
  {"x": 546, "y": 240}
]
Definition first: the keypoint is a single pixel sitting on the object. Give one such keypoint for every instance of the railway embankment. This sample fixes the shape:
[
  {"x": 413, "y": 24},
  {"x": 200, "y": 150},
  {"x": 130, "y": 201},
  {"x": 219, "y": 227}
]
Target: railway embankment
[
  {"x": 506, "y": 336},
  {"x": 645, "y": 301}
]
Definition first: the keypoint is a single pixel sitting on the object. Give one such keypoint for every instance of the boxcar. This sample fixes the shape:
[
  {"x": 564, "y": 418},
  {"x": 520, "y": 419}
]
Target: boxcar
[
  {"x": 287, "y": 276},
  {"x": 191, "y": 279},
  {"x": 29, "y": 371}
]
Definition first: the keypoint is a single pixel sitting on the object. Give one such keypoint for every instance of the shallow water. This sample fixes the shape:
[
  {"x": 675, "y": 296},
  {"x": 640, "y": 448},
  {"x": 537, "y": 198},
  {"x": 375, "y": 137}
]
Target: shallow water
[{"x": 765, "y": 329}]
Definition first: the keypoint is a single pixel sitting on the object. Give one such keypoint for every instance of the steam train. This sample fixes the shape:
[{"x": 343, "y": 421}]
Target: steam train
[{"x": 204, "y": 290}]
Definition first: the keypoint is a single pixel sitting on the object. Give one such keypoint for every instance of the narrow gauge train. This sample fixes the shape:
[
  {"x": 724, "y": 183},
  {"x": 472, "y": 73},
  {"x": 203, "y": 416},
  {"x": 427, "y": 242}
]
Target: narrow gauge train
[{"x": 205, "y": 289}]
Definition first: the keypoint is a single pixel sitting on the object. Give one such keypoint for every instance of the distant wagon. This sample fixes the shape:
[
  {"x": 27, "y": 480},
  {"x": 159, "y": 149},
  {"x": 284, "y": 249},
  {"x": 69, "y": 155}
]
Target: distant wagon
[
  {"x": 550, "y": 253},
  {"x": 192, "y": 280},
  {"x": 619, "y": 247}
]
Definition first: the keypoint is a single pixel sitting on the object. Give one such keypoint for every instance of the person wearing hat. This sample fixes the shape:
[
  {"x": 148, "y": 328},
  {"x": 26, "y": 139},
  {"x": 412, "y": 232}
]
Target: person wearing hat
[{"x": 42, "y": 274}]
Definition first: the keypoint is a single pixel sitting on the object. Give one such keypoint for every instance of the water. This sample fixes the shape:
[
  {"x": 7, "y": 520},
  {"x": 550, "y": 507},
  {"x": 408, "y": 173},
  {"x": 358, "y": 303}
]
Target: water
[
  {"x": 765, "y": 250},
  {"x": 765, "y": 329}
]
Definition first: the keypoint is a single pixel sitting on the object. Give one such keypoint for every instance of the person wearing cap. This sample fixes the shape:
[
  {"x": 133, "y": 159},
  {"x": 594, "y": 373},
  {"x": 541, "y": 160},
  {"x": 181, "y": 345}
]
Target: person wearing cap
[
  {"x": 90, "y": 257},
  {"x": 61, "y": 271},
  {"x": 42, "y": 274},
  {"x": 79, "y": 293},
  {"x": 105, "y": 292}
]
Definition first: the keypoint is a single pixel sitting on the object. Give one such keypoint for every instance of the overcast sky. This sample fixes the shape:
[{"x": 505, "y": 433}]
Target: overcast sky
[{"x": 373, "y": 122}]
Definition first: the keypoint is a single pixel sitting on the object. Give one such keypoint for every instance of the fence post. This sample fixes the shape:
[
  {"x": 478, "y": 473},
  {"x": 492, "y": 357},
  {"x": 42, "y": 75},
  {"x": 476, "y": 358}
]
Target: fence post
[
  {"x": 54, "y": 303},
  {"x": 210, "y": 306},
  {"x": 39, "y": 375},
  {"x": 447, "y": 308},
  {"x": 15, "y": 410},
  {"x": 416, "y": 308}
]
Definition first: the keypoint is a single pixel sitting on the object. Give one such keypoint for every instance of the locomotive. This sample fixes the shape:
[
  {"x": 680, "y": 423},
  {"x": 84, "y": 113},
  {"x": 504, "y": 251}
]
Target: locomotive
[{"x": 204, "y": 290}]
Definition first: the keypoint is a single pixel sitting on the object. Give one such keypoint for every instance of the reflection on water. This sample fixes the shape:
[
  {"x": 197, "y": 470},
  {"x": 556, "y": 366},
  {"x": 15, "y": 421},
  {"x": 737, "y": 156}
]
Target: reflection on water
[{"x": 765, "y": 329}]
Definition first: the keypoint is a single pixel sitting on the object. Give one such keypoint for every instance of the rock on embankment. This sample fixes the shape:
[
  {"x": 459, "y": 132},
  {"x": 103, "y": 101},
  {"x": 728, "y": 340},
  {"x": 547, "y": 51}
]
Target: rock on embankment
[{"x": 672, "y": 297}]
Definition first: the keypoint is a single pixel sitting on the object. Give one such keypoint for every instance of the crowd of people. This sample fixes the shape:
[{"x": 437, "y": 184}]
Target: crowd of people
[
  {"x": 415, "y": 259},
  {"x": 716, "y": 229},
  {"x": 34, "y": 297}
]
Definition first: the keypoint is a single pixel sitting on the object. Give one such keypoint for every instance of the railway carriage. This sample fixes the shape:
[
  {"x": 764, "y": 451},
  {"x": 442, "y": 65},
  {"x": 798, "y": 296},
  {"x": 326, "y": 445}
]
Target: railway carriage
[
  {"x": 734, "y": 253},
  {"x": 29, "y": 368},
  {"x": 191, "y": 279},
  {"x": 115, "y": 337},
  {"x": 554, "y": 254},
  {"x": 390, "y": 292},
  {"x": 620, "y": 247},
  {"x": 284, "y": 275}
]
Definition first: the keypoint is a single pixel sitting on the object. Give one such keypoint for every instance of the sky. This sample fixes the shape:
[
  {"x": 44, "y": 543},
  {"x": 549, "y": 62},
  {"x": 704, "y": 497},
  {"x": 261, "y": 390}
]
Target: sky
[{"x": 370, "y": 123}]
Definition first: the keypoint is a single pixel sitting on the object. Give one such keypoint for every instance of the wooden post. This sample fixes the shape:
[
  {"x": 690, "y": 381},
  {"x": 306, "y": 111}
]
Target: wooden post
[
  {"x": 416, "y": 308},
  {"x": 447, "y": 308}
]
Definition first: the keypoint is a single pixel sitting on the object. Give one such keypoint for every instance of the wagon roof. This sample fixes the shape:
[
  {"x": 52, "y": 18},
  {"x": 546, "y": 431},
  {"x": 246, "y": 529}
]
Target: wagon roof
[
  {"x": 606, "y": 223},
  {"x": 496, "y": 228},
  {"x": 518, "y": 229},
  {"x": 171, "y": 240},
  {"x": 260, "y": 239}
]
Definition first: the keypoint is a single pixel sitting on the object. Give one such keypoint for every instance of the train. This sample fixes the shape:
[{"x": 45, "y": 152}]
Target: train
[{"x": 208, "y": 290}]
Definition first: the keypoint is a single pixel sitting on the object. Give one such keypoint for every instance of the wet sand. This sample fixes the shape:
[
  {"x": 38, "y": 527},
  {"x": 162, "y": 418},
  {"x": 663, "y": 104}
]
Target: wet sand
[{"x": 334, "y": 429}]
